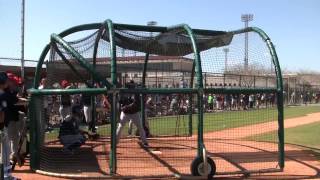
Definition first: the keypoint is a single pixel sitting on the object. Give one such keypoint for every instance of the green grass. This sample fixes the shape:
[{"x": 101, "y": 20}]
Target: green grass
[
  {"x": 166, "y": 125},
  {"x": 305, "y": 136},
  {"x": 228, "y": 119}
]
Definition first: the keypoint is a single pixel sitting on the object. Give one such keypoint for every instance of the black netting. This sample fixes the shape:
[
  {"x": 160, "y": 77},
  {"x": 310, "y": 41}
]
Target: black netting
[
  {"x": 225, "y": 66},
  {"x": 166, "y": 43}
]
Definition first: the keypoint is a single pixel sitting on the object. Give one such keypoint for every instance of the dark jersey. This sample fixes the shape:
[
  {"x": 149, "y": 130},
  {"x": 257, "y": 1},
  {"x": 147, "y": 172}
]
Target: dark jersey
[
  {"x": 69, "y": 128},
  {"x": 86, "y": 100},
  {"x": 130, "y": 104},
  {"x": 3, "y": 102},
  {"x": 65, "y": 100},
  {"x": 3, "y": 106},
  {"x": 126, "y": 99},
  {"x": 12, "y": 110}
]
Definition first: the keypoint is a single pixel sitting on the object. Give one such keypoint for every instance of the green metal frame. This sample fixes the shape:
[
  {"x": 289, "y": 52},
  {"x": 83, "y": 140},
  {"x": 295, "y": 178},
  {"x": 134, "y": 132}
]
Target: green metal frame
[
  {"x": 199, "y": 84},
  {"x": 113, "y": 159},
  {"x": 279, "y": 91},
  {"x": 112, "y": 89},
  {"x": 190, "y": 102},
  {"x": 142, "y": 96}
]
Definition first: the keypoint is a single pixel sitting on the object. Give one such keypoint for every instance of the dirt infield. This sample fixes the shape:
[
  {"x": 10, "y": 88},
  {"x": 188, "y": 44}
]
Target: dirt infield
[
  {"x": 242, "y": 132},
  {"x": 173, "y": 155}
]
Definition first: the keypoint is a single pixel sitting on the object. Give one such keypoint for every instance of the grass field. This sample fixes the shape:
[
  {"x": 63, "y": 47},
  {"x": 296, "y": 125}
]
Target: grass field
[
  {"x": 225, "y": 120},
  {"x": 221, "y": 120},
  {"x": 306, "y": 136},
  {"x": 167, "y": 125}
]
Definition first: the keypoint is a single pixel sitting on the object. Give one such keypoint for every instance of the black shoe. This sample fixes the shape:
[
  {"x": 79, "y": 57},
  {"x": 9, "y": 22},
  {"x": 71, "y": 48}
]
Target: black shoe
[{"x": 145, "y": 145}]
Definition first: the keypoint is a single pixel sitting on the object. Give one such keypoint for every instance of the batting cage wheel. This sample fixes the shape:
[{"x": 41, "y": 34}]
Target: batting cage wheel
[{"x": 197, "y": 167}]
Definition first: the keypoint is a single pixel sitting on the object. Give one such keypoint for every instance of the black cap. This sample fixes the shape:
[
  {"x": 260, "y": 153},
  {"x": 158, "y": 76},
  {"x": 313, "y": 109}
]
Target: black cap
[{"x": 3, "y": 77}]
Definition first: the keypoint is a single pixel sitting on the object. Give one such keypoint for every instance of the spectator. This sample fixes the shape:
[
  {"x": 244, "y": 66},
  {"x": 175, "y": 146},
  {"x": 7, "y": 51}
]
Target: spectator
[
  {"x": 210, "y": 102},
  {"x": 228, "y": 99},
  {"x": 219, "y": 99},
  {"x": 251, "y": 101},
  {"x": 182, "y": 84},
  {"x": 13, "y": 116},
  {"x": 234, "y": 102},
  {"x": 5, "y": 151},
  {"x": 43, "y": 85},
  {"x": 214, "y": 100},
  {"x": 149, "y": 107},
  {"x": 263, "y": 98},
  {"x": 258, "y": 100},
  {"x": 272, "y": 99},
  {"x": 305, "y": 98},
  {"x": 87, "y": 110},
  {"x": 65, "y": 102},
  {"x": 246, "y": 101},
  {"x": 174, "y": 105},
  {"x": 292, "y": 97}
]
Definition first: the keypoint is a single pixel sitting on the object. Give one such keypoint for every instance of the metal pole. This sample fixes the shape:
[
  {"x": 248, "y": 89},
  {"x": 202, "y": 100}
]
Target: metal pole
[
  {"x": 246, "y": 18},
  {"x": 226, "y": 50},
  {"x": 22, "y": 38},
  {"x": 288, "y": 91},
  {"x": 246, "y": 47}
]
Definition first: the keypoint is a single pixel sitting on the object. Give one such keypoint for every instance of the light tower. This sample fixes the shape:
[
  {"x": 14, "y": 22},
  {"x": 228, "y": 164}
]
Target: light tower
[
  {"x": 22, "y": 38},
  {"x": 246, "y": 18},
  {"x": 226, "y": 51},
  {"x": 152, "y": 23}
]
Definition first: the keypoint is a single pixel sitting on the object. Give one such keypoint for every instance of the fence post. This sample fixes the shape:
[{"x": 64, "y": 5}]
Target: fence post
[{"x": 2, "y": 172}]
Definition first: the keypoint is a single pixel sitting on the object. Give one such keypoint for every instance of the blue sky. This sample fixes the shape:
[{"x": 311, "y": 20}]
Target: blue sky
[{"x": 293, "y": 25}]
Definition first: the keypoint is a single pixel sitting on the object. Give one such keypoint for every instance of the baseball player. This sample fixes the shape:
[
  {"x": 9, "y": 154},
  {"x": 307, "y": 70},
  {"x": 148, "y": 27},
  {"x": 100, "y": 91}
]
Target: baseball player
[
  {"x": 130, "y": 110},
  {"x": 5, "y": 150}
]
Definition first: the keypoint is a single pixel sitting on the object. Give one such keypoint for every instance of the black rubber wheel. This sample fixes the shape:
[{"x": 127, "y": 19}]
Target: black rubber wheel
[{"x": 197, "y": 167}]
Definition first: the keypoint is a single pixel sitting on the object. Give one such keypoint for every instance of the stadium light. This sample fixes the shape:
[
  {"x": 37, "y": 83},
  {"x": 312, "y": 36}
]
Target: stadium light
[
  {"x": 246, "y": 18},
  {"x": 226, "y": 50},
  {"x": 152, "y": 23}
]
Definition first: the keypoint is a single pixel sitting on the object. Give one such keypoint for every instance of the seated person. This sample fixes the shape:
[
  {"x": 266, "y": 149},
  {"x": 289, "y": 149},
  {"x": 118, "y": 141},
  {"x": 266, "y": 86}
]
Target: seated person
[{"x": 70, "y": 136}]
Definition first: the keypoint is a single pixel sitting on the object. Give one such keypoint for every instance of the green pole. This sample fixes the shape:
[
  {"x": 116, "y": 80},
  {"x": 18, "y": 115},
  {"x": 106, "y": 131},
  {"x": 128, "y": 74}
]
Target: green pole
[
  {"x": 280, "y": 105},
  {"x": 93, "y": 98},
  {"x": 190, "y": 101},
  {"x": 113, "y": 149},
  {"x": 276, "y": 63},
  {"x": 113, "y": 158},
  {"x": 142, "y": 96},
  {"x": 1, "y": 172},
  {"x": 34, "y": 132},
  {"x": 94, "y": 62},
  {"x": 199, "y": 85}
]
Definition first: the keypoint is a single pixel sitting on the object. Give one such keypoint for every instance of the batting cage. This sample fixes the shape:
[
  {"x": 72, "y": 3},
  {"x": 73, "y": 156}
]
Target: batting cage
[{"x": 148, "y": 101}]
